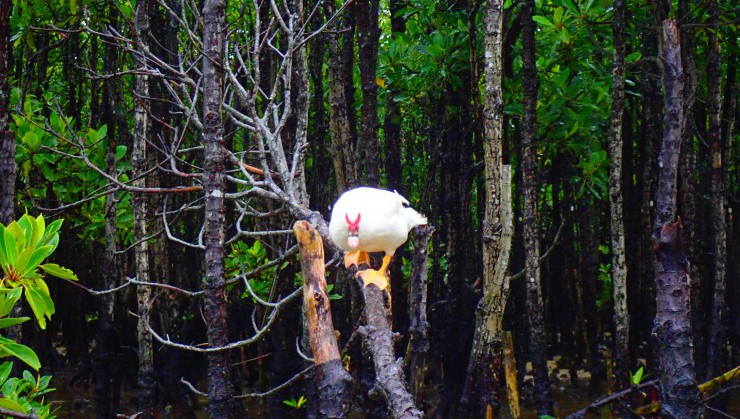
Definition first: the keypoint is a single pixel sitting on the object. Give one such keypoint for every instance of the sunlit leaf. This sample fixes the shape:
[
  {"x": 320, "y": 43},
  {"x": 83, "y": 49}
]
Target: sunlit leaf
[
  {"x": 12, "y": 405},
  {"x": 12, "y": 321},
  {"x": 59, "y": 271},
  {"x": 22, "y": 352},
  {"x": 543, "y": 21}
]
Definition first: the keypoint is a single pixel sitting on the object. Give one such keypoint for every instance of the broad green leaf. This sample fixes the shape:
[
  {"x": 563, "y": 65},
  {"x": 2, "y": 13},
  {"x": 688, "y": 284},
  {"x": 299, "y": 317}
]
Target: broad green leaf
[
  {"x": 29, "y": 377},
  {"x": 12, "y": 321},
  {"x": 8, "y": 298},
  {"x": 11, "y": 405},
  {"x": 59, "y": 271},
  {"x": 37, "y": 257},
  {"x": 22, "y": 352},
  {"x": 557, "y": 17},
  {"x": 24, "y": 223},
  {"x": 35, "y": 232},
  {"x": 120, "y": 151},
  {"x": 5, "y": 369},
  {"x": 51, "y": 229},
  {"x": 22, "y": 261},
  {"x": 41, "y": 305},
  {"x": 543, "y": 21},
  {"x": 3, "y": 259},
  {"x": 571, "y": 6},
  {"x": 10, "y": 250}
]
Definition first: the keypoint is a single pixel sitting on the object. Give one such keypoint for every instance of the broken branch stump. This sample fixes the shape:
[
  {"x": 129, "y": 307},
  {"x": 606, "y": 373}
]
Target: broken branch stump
[{"x": 332, "y": 381}]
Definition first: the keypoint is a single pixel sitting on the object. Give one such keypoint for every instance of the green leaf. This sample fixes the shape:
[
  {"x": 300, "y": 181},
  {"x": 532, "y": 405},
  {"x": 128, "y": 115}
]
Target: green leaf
[
  {"x": 51, "y": 230},
  {"x": 37, "y": 295},
  {"x": 22, "y": 352},
  {"x": 29, "y": 377},
  {"x": 120, "y": 151},
  {"x": 11, "y": 405},
  {"x": 24, "y": 223},
  {"x": 557, "y": 17},
  {"x": 5, "y": 369},
  {"x": 634, "y": 57},
  {"x": 8, "y": 298},
  {"x": 37, "y": 257},
  {"x": 3, "y": 258},
  {"x": 35, "y": 232},
  {"x": 571, "y": 6},
  {"x": 11, "y": 252},
  {"x": 636, "y": 378},
  {"x": 12, "y": 321},
  {"x": 22, "y": 261},
  {"x": 543, "y": 21},
  {"x": 59, "y": 271}
]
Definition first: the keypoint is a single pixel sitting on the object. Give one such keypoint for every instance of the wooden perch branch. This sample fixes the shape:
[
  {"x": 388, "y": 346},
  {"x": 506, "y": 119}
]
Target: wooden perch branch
[
  {"x": 333, "y": 382},
  {"x": 389, "y": 372}
]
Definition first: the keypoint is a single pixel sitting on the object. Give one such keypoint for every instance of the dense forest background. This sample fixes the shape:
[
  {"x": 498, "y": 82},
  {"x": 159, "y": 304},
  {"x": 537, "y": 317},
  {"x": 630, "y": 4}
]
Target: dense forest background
[{"x": 575, "y": 160}]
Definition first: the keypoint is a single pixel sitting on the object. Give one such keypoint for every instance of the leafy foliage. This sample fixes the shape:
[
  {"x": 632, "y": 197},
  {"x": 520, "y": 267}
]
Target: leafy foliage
[
  {"x": 24, "y": 394},
  {"x": 25, "y": 244}
]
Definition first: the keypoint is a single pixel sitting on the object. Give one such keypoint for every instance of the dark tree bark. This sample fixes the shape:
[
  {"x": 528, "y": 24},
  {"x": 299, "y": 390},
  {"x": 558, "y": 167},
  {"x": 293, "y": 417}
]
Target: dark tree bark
[
  {"x": 537, "y": 334},
  {"x": 650, "y": 131},
  {"x": 619, "y": 267},
  {"x": 333, "y": 382},
  {"x": 107, "y": 380},
  {"x": 586, "y": 289},
  {"x": 368, "y": 33},
  {"x": 688, "y": 186},
  {"x": 418, "y": 331},
  {"x": 345, "y": 169},
  {"x": 717, "y": 350},
  {"x": 393, "y": 154},
  {"x": 672, "y": 326},
  {"x": 479, "y": 392},
  {"x": 392, "y": 122},
  {"x": 322, "y": 195},
  {"x": 146, "y": 396},
  {"x": 214, "y": 186},
  {"x": 7, "y": 138},
  {"x": 378, "y": 337}
]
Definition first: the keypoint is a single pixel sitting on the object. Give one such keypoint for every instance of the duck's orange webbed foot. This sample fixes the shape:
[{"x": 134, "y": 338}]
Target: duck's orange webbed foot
[
  {"x": 356, "y": 258},
  {"x": 379, "y": 277},
  {"x": 371, "y": 276}
]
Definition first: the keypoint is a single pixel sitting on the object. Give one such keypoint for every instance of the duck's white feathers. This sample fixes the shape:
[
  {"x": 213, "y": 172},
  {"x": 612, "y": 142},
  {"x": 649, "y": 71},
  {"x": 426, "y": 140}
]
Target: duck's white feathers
[{"x": 385, "y": 222}]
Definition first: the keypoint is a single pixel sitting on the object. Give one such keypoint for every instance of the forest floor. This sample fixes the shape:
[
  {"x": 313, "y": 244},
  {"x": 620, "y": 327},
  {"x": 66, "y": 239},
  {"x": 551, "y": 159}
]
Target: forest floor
[{"x": 75, "y": 396}]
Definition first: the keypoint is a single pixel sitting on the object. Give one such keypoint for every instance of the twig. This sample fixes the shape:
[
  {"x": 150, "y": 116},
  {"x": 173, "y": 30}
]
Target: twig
[
  {"x": 609, "y": 399},
  {"x": 544, "y": 255},
  {"x": 14, "y": 414}
]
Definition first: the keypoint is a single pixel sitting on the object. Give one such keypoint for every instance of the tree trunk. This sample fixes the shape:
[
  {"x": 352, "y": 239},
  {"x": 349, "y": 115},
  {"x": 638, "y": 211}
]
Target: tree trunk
[
  {"x": 7, "y": 138},
  {"x": 619, "y": 267},
  {"x": 106, "y": 378},
  {"x": 672, "y": 326},
  {"x": 479, "y": 393},
  {"x": 146, "y": 396},
  {"x": 214, "y": 186},
  {"x": 537, "y": 344},
  {"x": 392, "y": 123},
  {"x": 333, "y": 383},
  {"x": 717, "y": 351},
  {"x": 416, "y": 352},
  {"x": 378, "y": 338},
  {"x": 345, "y": 169},
  {"x": 368, "y": 33}
]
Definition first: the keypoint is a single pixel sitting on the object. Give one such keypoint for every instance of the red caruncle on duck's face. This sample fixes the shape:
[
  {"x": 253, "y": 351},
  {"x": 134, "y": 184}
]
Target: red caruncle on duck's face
[{"x": 353, "y": 241}]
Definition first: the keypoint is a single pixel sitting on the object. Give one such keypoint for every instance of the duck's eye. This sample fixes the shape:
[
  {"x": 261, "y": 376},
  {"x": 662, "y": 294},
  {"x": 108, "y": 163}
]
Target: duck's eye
[{"x": 405, "y": 204}]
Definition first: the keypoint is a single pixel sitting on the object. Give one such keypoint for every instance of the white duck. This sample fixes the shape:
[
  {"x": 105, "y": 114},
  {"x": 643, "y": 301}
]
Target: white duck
[{"x": 372, "y": 220}]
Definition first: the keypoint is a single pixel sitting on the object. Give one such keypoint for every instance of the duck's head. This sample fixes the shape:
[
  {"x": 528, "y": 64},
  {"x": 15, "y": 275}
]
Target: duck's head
[{"x": 353, "y": 227}]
